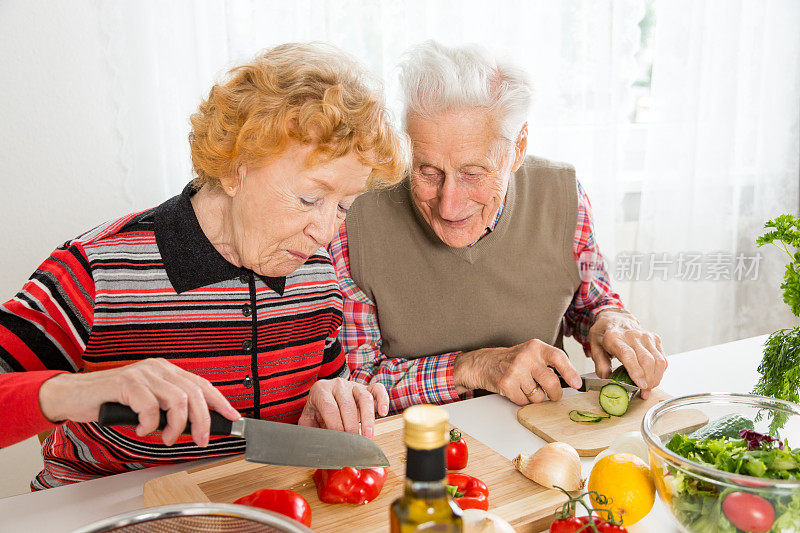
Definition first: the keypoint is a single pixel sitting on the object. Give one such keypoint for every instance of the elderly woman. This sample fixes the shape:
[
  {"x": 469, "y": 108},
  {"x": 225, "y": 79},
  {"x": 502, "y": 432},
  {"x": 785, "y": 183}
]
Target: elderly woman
[
  {"x": 222, "y": 297},
  {"x": 461, "y": 278}
]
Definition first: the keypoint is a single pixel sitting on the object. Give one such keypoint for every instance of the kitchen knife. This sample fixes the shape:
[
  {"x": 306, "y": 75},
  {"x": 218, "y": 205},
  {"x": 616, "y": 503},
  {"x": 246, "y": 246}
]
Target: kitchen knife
[
  {"x": 593, "y": 383},
  {"x": 275, "y": 443}
]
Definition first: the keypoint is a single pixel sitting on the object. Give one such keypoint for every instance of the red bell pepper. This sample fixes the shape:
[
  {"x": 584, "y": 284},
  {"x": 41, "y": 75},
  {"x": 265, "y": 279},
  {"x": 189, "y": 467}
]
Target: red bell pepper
[
  {"x": 349, "y": 485},
  {"x": 285, "y": 502},
  {"x": 457, "y": 453},
  {"x": 469, "y": 492}
]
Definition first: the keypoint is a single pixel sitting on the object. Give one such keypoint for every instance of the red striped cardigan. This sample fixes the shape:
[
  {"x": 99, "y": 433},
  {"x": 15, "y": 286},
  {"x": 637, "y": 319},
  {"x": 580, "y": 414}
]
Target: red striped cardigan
[{"x": 151, "y": 285}]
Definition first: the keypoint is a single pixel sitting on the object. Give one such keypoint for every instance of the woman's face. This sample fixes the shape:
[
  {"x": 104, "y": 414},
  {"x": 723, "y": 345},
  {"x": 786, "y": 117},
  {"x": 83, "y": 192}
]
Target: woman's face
[
  {"x": 283, "y": 212},
  {"x": 461, "y": 172}
]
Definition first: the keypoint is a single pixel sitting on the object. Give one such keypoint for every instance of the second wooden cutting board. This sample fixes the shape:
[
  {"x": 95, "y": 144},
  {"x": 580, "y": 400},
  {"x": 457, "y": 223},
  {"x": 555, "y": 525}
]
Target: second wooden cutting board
[
  {"x": 550, "y": 421},
  {"x": 527, "y": 506}
]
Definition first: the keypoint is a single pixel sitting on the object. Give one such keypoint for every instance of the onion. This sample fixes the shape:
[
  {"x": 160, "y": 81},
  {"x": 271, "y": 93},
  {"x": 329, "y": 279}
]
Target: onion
[
  {"x": 477, "y": 521},
  {"x": 554, "y": 465}
]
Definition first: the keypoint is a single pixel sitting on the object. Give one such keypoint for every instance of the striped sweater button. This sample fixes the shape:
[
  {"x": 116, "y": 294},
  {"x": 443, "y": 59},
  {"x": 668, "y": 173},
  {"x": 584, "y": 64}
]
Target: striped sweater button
[
  {"x": 247, "y": 382},
  {"x": 247, "y": 346},
  {"x": 244, "y": 278},
  {"x": 247, "y": 310}
]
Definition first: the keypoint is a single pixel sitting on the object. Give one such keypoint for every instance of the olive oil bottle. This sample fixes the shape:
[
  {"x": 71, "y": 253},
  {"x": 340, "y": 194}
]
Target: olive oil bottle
[{"x": 426, "y": 505}]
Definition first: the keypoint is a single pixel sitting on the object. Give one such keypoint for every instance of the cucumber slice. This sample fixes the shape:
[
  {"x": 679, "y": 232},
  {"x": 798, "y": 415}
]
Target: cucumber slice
[
  {"x": 614, "y": 399},
  {"x": 585, "y": 416}
]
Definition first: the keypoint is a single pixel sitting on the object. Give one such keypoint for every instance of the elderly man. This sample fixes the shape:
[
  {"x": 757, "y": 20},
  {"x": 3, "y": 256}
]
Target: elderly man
[{"x": 466, "y": 275}]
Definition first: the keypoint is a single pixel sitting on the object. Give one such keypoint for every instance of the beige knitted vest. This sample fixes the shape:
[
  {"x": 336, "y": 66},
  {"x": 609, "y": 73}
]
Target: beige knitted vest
[{"x": 511, "y": 286}]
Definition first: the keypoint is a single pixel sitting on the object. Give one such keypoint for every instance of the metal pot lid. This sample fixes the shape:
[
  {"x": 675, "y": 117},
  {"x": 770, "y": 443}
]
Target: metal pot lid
[{"x": 197, "y": 517}]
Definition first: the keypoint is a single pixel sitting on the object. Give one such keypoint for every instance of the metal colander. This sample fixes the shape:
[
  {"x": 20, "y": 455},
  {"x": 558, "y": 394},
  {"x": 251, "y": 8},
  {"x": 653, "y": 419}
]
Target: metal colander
[{"x": 197, "y": 518}]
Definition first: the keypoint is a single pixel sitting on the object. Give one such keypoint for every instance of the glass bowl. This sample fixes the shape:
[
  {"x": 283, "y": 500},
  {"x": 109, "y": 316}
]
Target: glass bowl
[{"x": 693, "y": 492}]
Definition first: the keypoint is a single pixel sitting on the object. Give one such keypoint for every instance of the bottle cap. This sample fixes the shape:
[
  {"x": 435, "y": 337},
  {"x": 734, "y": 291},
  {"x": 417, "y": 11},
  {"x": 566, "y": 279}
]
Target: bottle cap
[{"x": 426, "y": 427}]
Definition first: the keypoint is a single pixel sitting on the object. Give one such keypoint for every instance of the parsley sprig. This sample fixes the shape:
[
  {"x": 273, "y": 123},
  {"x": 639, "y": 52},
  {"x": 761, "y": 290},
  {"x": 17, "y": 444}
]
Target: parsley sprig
[{"x": 785, "y": 235}]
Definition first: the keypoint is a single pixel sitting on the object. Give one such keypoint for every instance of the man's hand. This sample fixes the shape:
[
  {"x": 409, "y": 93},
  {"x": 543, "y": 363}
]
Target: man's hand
[
  {"x": 146, "y": 387},
  {"x": 616, "y": 334},
  {"x": 341, "y": 405},
  {"x": 520, "y": 373}
]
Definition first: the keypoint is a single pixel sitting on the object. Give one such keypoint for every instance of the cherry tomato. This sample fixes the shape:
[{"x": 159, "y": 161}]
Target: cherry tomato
[
  {"x": 457, "y": 453},
  {"x": 748, "y": 512},
  {"x": 567, "y": 525},
  {"x": 608, "y": 527},
  {"x": 575, "y": 523}
]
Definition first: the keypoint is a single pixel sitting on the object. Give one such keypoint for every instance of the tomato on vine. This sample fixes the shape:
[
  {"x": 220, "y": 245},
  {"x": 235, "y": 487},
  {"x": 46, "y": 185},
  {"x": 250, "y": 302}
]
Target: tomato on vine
[
  {"x": 567, "y": 522},
  {"x": 573, "y": 524}
]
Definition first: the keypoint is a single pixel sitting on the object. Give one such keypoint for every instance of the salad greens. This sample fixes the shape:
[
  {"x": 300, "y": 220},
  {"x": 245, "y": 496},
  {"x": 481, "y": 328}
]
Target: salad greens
[
  {"x": 756, "y": 440},
  {"x": 732, "y": 455},
  {"x": 698, "y": 506},
  {"x": 698, "y": 503}
]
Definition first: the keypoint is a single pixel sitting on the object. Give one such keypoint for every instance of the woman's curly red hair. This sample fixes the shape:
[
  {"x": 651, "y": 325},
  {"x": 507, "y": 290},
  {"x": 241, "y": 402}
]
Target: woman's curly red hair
[{"x": 307, "y": 92}]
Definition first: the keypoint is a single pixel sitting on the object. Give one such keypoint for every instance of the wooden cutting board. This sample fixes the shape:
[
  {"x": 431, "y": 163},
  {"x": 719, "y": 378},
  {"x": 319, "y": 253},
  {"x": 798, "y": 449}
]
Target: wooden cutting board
[
  {"x": 526, "y": 505},
  {"x": 550, "y": 421}
]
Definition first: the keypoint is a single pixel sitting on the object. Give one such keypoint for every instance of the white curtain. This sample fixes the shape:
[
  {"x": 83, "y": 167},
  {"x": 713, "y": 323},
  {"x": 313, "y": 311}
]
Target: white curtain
[
  {"x": 163, "y": 57},
  {"x": 721, "y": 158},
  {"x": 681, "y": 117}
]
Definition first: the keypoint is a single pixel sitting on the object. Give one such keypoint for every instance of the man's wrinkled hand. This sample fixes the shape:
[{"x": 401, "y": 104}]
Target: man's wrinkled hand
[
  {"x": 522, "y": 373},
  {"x": 344, "y": 406},
  {"x": 618, "y": 334}
]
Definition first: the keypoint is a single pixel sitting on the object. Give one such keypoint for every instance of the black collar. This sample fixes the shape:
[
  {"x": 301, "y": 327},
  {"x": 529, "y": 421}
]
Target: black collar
[{"x": 191, "y": 261}]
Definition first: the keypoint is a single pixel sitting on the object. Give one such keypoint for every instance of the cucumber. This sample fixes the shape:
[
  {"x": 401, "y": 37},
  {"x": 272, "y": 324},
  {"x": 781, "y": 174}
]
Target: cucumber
[
  {"x": 621, "y": 375},
  {"x": 614, "y": 399},
  {"x": 726, "y": 426},
  {"x": 585, "y": 416}
]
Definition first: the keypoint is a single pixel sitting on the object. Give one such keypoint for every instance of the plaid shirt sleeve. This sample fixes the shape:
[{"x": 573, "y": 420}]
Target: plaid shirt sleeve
[
  {"x": 427, "y": 379},
  {"x": 594, "y": 293}
]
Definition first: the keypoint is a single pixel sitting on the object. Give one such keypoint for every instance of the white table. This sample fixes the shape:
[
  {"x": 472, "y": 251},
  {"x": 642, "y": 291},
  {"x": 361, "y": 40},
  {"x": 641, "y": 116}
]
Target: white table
[{"x": 492, "y": 419}]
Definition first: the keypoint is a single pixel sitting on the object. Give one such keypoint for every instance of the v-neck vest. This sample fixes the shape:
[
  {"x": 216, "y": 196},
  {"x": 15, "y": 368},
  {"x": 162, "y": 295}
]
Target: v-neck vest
[{"x": 513, "y": 285}]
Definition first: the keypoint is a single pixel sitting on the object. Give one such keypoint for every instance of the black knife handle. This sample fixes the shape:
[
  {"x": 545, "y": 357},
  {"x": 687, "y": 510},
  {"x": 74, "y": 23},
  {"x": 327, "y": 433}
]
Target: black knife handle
[
  {"x": 117, "y": 414},
  {"x": 564, "y": 384}
]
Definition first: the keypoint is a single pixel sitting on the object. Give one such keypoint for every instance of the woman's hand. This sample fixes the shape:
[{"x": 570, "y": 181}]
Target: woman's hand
[
  {"x": 618, "y": 334},
  {"x": 521, "y": 373},
  {"x": 146, "y": 387},
  {"x": 341, "y": 405}
]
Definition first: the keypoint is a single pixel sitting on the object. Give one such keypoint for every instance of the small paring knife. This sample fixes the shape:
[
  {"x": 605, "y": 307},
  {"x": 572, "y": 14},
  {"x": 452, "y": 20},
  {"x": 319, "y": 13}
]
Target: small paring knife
[{"x": 275, "y": 443}]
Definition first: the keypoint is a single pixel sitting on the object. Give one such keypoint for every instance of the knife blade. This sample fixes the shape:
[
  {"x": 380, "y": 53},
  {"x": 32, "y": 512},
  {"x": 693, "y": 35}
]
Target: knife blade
[
  {"x": 275, "y": 443},
  {"x": 594, "y": 383}
]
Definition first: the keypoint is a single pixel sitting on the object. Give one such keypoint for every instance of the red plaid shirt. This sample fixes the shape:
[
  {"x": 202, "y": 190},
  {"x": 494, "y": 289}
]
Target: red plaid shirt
[{"x": 429, "y": 379}]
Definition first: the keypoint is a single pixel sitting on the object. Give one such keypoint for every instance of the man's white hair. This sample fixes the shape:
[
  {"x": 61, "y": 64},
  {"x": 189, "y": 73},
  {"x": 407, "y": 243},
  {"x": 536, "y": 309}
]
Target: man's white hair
[{"x": 436, "y": 78}]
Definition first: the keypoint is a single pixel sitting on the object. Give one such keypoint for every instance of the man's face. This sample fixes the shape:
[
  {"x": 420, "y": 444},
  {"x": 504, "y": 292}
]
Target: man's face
[{"x": 460, "y": 174}]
